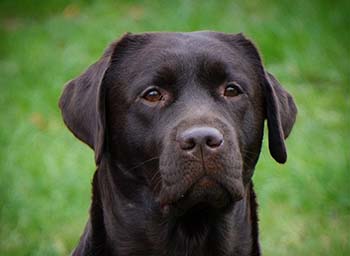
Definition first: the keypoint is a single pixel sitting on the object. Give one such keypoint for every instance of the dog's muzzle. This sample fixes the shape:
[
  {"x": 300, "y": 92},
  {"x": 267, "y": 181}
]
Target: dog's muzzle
[{"x": 201, "y": 168}]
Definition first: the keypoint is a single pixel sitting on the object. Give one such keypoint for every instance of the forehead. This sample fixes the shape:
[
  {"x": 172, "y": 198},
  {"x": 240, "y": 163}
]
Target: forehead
[
  {"x": 182, "y": 56},
  {"x": 194, "y": 50}
]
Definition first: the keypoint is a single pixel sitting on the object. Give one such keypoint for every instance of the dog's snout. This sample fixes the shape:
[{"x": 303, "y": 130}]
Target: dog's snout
[{"x": 205, "y": 137}]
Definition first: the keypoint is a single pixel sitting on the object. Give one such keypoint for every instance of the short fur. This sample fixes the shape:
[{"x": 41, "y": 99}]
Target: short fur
[{"x": 151, "y": 194}]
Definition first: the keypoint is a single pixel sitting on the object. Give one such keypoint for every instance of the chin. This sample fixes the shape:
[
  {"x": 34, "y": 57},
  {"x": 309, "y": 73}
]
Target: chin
[{"x": 206, "y": 197}]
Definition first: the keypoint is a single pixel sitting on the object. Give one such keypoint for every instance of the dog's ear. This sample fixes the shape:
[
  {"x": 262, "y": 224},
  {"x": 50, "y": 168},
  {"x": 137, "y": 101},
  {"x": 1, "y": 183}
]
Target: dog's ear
[
  {"x": 82, "y": 105},
  {"x": 281, "y": 113},
  {"x": 82, "y": 102},
  {"x": 281, "y": 110}
]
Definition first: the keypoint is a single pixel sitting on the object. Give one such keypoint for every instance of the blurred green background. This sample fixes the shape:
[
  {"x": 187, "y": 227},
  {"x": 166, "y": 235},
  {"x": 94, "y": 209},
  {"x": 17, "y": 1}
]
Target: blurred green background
[{"x": 45, "y": 173}]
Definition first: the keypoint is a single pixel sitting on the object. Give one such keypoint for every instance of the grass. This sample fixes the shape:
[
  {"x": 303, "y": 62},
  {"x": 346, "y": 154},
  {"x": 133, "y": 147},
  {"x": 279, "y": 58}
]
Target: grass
[{"x": 45, "y": 173}]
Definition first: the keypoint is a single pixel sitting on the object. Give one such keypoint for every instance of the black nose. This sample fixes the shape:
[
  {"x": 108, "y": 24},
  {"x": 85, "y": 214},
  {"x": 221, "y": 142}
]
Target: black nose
[{"x": 206, "y": 137}]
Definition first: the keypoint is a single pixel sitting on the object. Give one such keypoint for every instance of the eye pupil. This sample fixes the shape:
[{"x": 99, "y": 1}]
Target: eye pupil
[
  {"x": 232, "y": 90},
  {"x": 153, "y": 95}
]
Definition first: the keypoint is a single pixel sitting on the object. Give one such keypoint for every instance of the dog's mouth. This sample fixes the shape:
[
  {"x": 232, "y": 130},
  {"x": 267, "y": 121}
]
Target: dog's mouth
[{"x": 206, "y": 193}]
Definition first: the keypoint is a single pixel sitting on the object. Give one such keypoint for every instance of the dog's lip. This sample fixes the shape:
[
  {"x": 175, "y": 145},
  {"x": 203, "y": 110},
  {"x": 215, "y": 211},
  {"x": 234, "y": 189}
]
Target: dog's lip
[
  {"x": 206, "y": 192},
  {"x": 203, "y": 183},
  {"x": 206, "y": 182}
]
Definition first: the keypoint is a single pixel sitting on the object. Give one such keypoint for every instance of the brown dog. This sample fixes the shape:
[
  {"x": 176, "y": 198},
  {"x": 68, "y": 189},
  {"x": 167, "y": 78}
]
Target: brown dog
[{"x": 176, "y": 122}]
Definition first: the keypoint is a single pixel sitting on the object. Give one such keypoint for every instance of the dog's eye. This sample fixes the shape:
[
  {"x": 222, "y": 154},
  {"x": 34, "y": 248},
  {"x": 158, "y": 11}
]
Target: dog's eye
[
  {"x": 152, "y": 95},
  {"x": 232, "y": 90}
]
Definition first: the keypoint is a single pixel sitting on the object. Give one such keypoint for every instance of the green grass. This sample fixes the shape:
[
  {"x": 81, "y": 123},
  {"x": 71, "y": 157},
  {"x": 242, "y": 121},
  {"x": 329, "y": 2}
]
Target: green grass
[{"x": 45, "y": 173}]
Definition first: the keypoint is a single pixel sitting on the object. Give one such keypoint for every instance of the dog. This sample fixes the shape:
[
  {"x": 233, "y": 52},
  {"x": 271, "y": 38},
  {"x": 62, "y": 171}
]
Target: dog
[{"x": 176, "y": 122}]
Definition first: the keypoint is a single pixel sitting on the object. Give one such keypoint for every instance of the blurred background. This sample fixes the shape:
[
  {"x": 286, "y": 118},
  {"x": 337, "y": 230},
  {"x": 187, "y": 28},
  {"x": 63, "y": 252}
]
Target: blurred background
[{"x": 45, "y": 173}]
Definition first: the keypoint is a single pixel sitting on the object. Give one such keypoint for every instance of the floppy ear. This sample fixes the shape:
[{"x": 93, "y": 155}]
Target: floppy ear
[
  {"x": 281, "y": 113},
  {"x": 280, "y": 107},
  {"x": 82, "y": 103}
]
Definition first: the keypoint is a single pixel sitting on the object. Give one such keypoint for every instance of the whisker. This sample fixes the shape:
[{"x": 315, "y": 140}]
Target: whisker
[
  {"x": 248, "y": 152},
  {"x": 158, "y": 183},
  {"x": 142, "y": 163},
  {"x": 156, "y": 173}
]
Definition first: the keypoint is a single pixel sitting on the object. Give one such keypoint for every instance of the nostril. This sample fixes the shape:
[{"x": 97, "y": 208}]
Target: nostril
[
  {"x": 187, "y": 143},
  {"x": 202, "y": 136},
  {"x": 214, "y": 141}
]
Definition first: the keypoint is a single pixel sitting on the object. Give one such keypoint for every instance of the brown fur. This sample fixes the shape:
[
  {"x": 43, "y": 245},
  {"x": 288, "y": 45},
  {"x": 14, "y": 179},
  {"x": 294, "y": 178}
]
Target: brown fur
[{"x": 174, "y": 173}]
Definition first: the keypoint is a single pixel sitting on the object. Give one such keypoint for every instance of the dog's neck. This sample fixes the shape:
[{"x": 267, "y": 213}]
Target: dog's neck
[{"x": 119, "y": 225}]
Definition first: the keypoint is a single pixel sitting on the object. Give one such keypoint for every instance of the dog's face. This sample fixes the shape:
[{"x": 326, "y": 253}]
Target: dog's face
[
  {"x": 193, "y": 105},
  {"x": 181, "y": 113}
]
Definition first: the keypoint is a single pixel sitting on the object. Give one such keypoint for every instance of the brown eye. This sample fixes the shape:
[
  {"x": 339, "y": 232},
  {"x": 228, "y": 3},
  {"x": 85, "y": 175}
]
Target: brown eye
[
  {"x": 232, "y": 90},
  {"x": 152, "y": 95}
]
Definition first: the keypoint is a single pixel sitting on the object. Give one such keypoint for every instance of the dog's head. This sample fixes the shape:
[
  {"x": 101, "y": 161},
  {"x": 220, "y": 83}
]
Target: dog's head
[{"x": 181, "y": 113}]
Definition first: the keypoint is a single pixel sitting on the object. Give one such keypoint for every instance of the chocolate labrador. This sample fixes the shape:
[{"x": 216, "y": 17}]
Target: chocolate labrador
[{"x": 176, "y": 121}]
